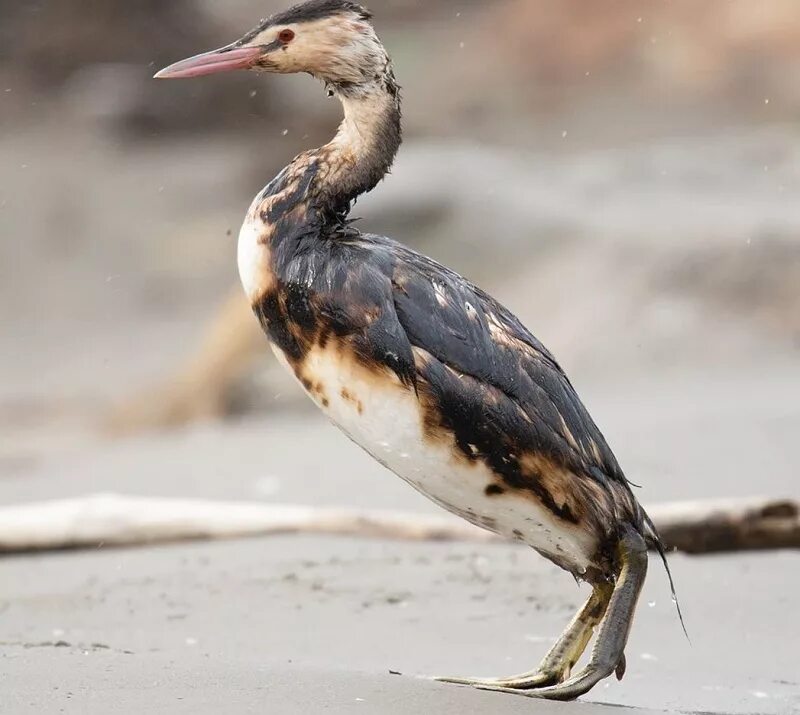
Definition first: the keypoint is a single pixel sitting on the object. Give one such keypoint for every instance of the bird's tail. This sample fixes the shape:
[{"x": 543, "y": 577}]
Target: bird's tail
[{"x": 653, "y": 539}]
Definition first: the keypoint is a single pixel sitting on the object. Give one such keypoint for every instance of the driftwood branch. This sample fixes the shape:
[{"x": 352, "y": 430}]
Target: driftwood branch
[
  {"x": 115, "y": 520},
  {"x": 733, "y": 525}
]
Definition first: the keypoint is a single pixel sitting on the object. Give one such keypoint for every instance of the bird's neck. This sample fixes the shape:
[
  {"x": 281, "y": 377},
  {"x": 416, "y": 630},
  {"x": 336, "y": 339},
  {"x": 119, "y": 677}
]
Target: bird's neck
[{"x": 363, "y": 149}]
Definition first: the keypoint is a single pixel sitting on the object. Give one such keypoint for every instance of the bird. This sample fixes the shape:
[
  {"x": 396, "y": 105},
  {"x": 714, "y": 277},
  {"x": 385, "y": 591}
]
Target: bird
[{"x": 433, "y": 377}]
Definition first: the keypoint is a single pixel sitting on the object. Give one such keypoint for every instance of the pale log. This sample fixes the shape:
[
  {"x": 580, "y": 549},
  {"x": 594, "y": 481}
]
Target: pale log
[{"x": 118, "y": 520}]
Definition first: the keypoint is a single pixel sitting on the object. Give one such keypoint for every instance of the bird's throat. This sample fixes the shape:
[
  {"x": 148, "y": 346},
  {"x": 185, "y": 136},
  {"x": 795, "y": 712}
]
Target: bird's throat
[{"x": 363, "y": 149}]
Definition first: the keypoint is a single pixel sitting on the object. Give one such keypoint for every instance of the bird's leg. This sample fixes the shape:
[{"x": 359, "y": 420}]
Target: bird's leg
[
  {"x": 566, "y": 651},
  {"x": 608, "y": 654}
]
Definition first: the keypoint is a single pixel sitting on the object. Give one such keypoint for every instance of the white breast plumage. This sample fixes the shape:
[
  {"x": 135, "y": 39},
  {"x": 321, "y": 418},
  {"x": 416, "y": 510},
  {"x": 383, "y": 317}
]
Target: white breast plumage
[{"x": 252, "y": 253}]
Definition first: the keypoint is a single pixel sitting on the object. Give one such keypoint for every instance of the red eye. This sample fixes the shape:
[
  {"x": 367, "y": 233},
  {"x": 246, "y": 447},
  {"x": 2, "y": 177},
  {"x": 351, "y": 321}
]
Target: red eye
[{"x": 286, "y": 35}]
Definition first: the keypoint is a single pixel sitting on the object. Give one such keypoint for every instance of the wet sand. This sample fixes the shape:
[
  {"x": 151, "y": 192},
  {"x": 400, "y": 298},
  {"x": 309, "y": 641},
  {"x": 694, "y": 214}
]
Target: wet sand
[{"x": 297, "y": 625}]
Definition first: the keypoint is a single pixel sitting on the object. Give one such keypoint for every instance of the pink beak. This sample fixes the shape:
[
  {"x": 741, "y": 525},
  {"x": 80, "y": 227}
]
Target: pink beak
[{"x": 224, "y": 59}]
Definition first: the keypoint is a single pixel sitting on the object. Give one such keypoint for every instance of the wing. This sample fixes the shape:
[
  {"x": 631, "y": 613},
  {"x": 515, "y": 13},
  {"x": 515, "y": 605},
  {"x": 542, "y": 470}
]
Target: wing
[{"x": 466, "y": 331}]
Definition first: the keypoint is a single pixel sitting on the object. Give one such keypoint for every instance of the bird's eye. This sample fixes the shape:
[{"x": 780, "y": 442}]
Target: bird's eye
[{"x": 286, "y": 35}]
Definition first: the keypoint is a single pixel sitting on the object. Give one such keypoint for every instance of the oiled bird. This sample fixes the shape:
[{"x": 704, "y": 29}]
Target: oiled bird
[{"x": 432, "y": 376}]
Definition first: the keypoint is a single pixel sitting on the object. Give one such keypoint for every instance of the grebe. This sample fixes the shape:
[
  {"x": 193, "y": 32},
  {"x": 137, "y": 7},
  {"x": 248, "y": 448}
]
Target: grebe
[{"x": 428, "y": 373}]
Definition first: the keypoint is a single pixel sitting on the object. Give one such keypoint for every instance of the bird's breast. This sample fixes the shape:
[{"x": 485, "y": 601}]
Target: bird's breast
[
  {"x": 279, "y": 211},
  {"x": 253, "y": 254}
]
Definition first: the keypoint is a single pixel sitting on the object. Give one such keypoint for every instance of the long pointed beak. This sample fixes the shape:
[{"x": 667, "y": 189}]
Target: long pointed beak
[{"x": 224, "y": 59}]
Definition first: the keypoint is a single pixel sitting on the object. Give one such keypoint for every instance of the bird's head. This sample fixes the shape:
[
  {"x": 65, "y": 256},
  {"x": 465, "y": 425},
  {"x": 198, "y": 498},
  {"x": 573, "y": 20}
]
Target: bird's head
[{"x": 332, "y": 40}]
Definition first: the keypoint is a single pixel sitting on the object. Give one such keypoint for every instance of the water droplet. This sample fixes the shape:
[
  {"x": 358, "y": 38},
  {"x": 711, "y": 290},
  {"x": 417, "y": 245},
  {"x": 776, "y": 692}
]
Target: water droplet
[
  {"x": 652, "y": 604},
  {"x": 461, "y": 45},
  {"x": 285, "y": 132},
  {"x": 564, "y": 134},
  {"x": 253, "y": 93},
  {"x": 766, "y": 101}
]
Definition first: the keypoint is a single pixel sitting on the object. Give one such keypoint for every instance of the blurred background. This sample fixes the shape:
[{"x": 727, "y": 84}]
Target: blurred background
[{"x": 623, "y": 174}]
